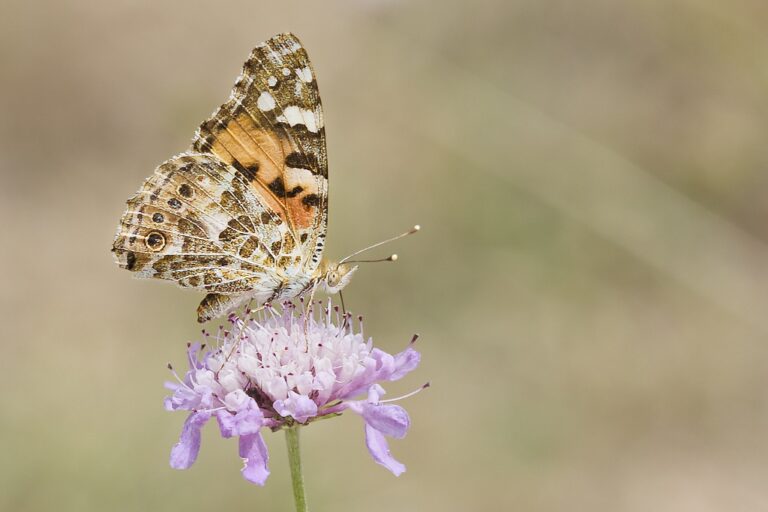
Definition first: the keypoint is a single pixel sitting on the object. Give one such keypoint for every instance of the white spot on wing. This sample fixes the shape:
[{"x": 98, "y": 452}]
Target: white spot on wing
[
  {"x": 294, "y": 115},
  {"x": 304, "y": 177},
  {"x": 309, "y": 120},
  {"x": 305, "y": 74},
  {"x": 286, "y": 71},
  {"x": 265, "y": 102},
  {"x": 271, "y": 81}
]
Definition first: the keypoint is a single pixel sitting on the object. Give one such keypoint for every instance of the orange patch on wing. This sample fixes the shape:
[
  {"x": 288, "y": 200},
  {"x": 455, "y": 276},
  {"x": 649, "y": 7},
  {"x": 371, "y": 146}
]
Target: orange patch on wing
[
  {"x": 264, "y": 152},
  {"x": 302, "y": 215}
]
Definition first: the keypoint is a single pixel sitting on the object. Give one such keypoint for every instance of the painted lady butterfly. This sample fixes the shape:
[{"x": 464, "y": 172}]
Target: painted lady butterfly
[{"x": 242, "y": 214}]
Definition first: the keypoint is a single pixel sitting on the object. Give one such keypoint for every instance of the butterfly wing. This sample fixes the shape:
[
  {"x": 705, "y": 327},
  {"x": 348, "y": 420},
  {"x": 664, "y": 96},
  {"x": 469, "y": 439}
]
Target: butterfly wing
[
  {"x": 192, "y": 222},
  {"x": 271, "y": 132},
  {"x": 243, "y": 214}
]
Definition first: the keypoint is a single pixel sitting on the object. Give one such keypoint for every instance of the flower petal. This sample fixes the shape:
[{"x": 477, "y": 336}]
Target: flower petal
[
  {"x": 379, "y": 450},
  {"x": 254, "y": 451},
  {"x": 183, "y": 398},
  {"x": 246, "y": 421},
  {"x": 405, "y": 362},
  {"x": 299, "y": 407},
  {"x": 385, "y": 364},
  {"x": 375, "y": 392},
  {"x": 236, "y": 400},
  {"x": 184, "y": 453},
  {"x": 391, "y": 420}
]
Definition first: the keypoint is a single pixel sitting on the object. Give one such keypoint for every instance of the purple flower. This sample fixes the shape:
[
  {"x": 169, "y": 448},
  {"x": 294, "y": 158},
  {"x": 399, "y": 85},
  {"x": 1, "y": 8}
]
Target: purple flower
[{"x": 283, "y": 369}]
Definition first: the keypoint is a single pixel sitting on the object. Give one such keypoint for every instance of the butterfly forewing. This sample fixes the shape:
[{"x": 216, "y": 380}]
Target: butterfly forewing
[
  {"x": 271, "y": 132},
  {"x": 243, "y": 213}
]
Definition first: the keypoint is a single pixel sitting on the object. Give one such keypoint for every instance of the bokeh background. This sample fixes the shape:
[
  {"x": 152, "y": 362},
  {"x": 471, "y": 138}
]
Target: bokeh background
[{"x": 590, "y": 283}]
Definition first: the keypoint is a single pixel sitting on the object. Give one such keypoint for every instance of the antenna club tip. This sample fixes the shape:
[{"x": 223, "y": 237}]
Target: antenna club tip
[
  {"x": 393, "y": 257},
  {"x": 416, "y": 228}
]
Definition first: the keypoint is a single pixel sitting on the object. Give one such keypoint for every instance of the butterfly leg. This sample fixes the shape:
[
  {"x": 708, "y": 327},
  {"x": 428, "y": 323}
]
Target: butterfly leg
[
  {"x": 249, "y": 313},
  {"x": 309, "y": 308},
  {"x": 343, "y": 312}
]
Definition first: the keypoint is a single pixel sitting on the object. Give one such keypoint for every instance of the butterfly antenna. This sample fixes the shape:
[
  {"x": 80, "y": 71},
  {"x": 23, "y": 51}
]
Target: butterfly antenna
[
  {"x": 388, "y": 258},
  {"x": 411, "y": 231}
]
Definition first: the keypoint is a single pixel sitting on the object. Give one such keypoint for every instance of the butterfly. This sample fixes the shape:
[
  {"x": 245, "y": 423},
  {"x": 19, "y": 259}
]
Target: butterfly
[{"x": 242, "y": 214}]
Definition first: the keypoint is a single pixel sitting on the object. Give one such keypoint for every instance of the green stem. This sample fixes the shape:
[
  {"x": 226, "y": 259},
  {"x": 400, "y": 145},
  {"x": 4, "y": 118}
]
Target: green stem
[{"x": 294, "y": 461}]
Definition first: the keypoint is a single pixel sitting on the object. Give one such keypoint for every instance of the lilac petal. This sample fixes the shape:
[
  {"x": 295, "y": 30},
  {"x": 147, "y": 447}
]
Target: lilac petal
[
  {"x": 184, "y": 453},
  {"x": 405, "y": 362},
  {"x": 385, "y": 364},
  {"x": 183, "y": 398},
  {"x": 254, "y": 451},
  {"x": 375, "y": 392},
  {"x": 379, "y": 450},
  {"x": 391, "y": 420},
  {"x": 297, "y": 406},
  {"x": 377, "y": 366},
  {"x": 245, "y": 422}
]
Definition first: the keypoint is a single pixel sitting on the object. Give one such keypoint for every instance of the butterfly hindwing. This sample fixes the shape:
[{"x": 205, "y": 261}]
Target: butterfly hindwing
[{"x": 192, "y": 222}]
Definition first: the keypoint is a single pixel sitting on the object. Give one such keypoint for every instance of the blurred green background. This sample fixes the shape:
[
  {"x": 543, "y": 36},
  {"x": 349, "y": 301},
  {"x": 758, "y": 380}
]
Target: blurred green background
[{"x": 590, "y": 283}]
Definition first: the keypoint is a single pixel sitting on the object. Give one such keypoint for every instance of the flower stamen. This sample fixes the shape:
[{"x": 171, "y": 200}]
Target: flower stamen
[{"x": 407, "y": 395}]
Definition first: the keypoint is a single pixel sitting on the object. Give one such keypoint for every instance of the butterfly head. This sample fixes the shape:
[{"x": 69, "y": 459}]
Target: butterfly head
[{"x": 336, "y": 276}]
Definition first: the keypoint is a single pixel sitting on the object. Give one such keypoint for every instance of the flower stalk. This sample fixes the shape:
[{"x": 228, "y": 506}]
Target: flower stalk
[{"x": 294, "y": 461}]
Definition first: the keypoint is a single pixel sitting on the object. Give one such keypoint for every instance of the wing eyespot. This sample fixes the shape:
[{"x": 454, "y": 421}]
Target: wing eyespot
[{"x": 155, "y": 241}]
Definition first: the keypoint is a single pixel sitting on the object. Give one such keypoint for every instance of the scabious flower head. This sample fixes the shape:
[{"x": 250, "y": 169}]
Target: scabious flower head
[{"x": 286, "y": 368}]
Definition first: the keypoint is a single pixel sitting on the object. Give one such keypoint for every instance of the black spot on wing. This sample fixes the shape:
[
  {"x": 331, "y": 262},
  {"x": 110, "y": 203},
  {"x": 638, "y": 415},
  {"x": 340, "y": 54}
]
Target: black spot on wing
[
  {"x": 130, "y": 260},
  {"x": 311, "y": 200},
  {"x": 278, "y": 187},
  {"x": 295, "y": 191},
  {"x": 299, "y": 160},
  {"x": 249, "y": 173},
  {"x": 185, "y": 191}
]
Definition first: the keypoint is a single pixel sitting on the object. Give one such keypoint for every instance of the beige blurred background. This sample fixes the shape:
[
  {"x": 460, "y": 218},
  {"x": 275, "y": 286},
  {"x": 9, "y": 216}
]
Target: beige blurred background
[{"x": 590, "y": 284}]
